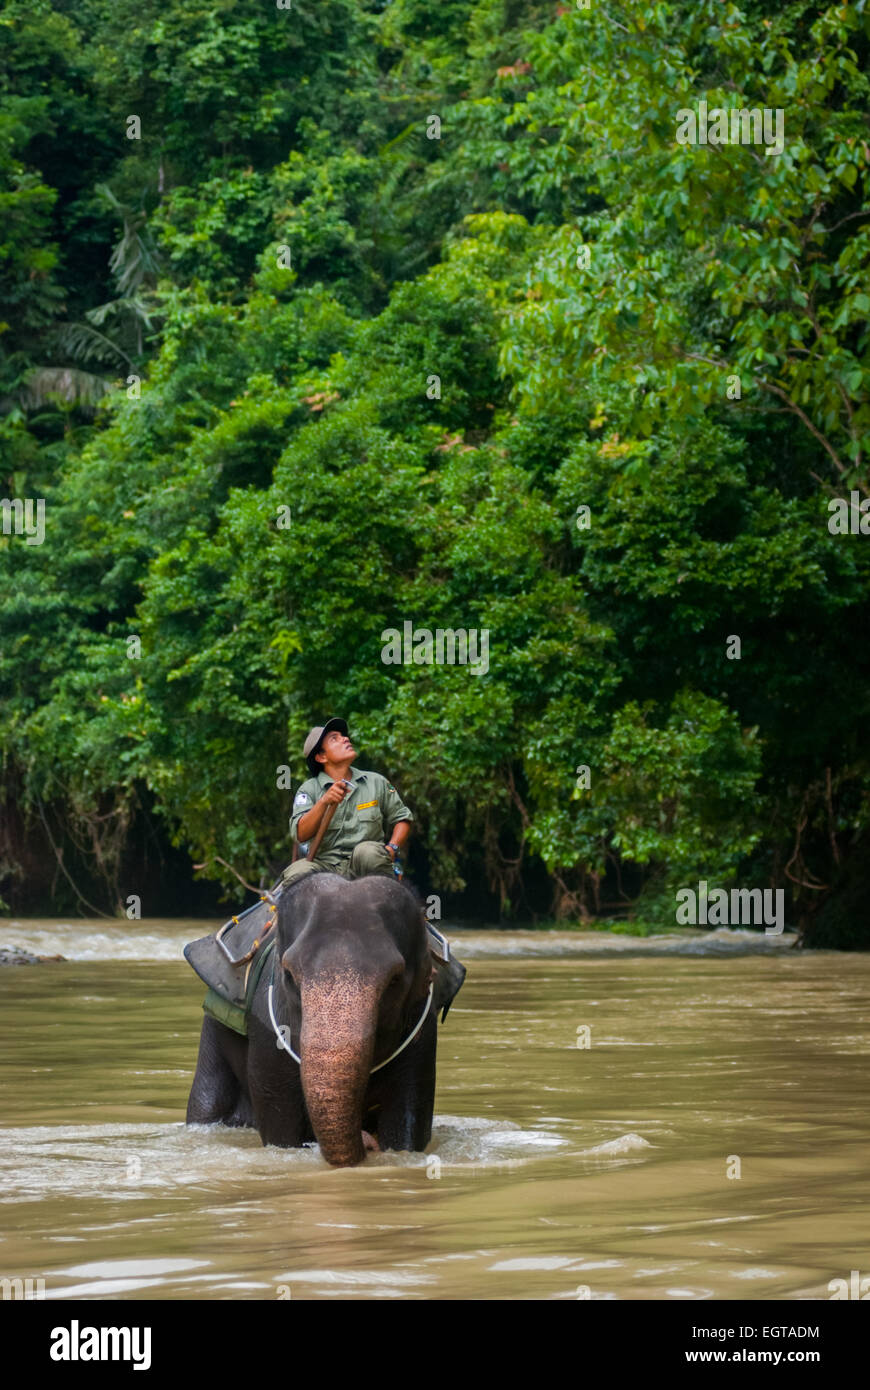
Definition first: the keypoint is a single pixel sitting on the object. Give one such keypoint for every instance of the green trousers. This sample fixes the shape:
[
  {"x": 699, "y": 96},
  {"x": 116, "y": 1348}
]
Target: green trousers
[{"x": 369, "y": 857}]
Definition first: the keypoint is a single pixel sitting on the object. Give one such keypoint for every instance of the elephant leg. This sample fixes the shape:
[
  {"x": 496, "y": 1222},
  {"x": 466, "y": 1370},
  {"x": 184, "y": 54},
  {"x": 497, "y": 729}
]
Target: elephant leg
[
  {"x": 217, "y": 1095},
  {"x": 281, "y": 1117},
  {"x": 243, "y": 1114},
  {"x": 407, "y": 1099},
  {"x": 277, "y": 1100}
]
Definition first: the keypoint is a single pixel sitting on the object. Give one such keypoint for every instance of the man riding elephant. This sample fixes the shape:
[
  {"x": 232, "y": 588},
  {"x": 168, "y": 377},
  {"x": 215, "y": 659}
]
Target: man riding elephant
[{"x": 354, "y": 822}]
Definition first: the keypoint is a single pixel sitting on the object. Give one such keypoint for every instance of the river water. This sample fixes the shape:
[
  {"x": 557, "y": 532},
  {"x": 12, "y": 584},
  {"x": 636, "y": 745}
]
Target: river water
[{"x": 710, "y": 1141}]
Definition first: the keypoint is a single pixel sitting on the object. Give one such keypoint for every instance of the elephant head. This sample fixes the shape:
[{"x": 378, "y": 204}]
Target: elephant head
[{"x": 354, "y": 980}]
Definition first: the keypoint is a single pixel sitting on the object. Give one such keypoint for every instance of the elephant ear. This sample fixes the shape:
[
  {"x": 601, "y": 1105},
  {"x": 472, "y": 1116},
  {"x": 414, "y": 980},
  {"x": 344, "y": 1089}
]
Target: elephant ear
[{"x": 449, "y": 977}]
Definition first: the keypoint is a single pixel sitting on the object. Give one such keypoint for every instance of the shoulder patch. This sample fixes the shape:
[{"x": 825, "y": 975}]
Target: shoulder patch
[{"x": 302, "y": 799}]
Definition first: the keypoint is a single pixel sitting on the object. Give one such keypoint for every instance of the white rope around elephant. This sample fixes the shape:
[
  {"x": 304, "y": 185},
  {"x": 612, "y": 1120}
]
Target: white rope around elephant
[{"x": 282, "y": 1041}]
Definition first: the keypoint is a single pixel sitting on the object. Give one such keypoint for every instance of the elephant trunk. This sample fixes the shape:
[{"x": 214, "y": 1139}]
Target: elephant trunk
[{"x": 339, "y": 1019}]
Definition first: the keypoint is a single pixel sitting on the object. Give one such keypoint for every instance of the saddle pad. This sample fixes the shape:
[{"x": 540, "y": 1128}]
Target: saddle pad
[
  {"x": 210, "y": 961},
  {"x": 449, "y": 976},
  {"x": 235, "y": 1016},
  {"x": 230, "y": 1015}
]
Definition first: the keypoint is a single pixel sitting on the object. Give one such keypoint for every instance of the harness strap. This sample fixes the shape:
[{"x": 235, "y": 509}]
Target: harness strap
[{"x": 284, "y": 1043}]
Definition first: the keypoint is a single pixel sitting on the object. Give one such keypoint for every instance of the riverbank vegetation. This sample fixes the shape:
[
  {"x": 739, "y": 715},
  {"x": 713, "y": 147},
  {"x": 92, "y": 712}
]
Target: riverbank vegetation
[{"x": 321, "y": 320}]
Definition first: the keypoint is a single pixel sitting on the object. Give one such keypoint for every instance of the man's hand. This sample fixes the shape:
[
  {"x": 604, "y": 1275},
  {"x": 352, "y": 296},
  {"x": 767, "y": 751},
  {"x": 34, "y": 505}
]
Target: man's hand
[
  {"x": 309, "y": 824},
  {"x": 398, "y": 835},
  {"x": 334, "y": 794}
]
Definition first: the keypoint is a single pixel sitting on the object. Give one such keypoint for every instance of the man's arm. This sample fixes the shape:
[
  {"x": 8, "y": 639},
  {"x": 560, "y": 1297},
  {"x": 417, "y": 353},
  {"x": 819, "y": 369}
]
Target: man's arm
[
  {"x": 308, "y": 825},
  {"x": 398, "y": 835},
  {"x": 396, "y": 817}
]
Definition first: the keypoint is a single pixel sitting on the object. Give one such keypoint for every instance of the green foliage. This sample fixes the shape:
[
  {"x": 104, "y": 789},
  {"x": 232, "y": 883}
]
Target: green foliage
[
  {"x": 714, "y": 261},
  {"x": 393, "y": 341}
]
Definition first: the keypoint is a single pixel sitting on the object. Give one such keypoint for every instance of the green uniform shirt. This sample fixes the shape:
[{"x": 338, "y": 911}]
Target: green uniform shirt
[{"x": 369, "y": 812}]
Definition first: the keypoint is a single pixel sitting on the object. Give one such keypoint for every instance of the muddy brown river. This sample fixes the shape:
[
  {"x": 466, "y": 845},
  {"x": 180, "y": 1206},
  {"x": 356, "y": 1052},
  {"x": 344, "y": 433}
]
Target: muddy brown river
[{"x": 673, "y": 1118}]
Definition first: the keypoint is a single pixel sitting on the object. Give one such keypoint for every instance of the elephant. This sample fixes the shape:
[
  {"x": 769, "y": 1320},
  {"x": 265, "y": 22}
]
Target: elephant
[{"x": 351, "y": 980}]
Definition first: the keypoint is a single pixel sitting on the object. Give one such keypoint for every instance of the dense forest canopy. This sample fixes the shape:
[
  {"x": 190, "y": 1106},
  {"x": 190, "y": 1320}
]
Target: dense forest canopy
[{"x": 319, "y": 320}]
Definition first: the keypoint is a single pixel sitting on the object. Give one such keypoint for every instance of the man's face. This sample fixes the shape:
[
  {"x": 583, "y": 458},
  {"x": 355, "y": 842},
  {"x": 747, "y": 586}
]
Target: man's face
[{"x": 335, "y": 748}]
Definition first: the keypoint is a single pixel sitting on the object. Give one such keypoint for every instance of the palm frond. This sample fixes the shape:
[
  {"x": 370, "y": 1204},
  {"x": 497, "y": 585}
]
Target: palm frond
[
  {"x": 84, "y": 343},
  {"x": 72, "y": 386},
  {"x": 133, "y": 306},
  {"x": 134, "y": 258}
]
